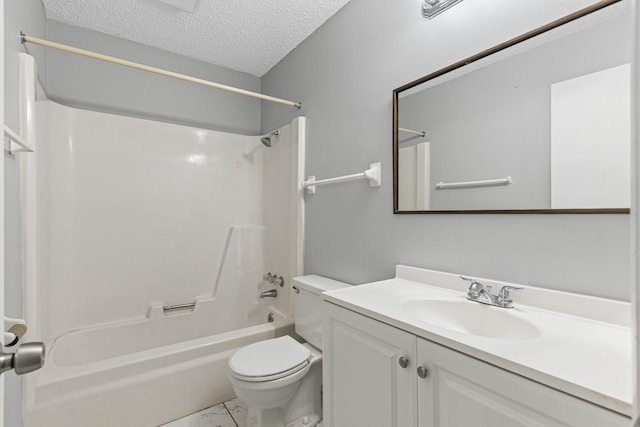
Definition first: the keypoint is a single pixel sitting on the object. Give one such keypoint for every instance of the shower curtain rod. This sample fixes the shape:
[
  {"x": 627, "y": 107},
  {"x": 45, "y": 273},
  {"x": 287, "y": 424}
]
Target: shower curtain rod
[
  {"x": 28, "y": 39},
  {"x": 415, "y": 132}
]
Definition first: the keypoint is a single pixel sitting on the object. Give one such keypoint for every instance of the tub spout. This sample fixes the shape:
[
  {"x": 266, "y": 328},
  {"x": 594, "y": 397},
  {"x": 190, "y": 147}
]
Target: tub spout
[{"x": 269, "y": 294}]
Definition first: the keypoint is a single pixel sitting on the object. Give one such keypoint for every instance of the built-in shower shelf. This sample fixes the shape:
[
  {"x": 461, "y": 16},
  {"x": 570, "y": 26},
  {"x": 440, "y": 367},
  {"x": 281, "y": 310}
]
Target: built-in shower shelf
[{"x": 16, "y": 139}]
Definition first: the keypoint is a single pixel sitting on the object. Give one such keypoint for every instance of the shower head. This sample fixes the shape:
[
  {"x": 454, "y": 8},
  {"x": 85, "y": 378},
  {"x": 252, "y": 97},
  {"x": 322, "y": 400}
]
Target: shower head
[{"x": 267, "y": 139}]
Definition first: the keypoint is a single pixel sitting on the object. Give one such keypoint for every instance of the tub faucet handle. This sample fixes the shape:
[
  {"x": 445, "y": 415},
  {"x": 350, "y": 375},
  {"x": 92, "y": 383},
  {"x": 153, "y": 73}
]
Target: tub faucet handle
[{"x": 268, "y": 277}]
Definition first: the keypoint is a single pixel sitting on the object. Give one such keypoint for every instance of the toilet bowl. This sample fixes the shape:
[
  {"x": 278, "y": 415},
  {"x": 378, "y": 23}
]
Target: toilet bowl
[
  {"x": 282, "y": 368},
  {"x": 280, "y": 379}
]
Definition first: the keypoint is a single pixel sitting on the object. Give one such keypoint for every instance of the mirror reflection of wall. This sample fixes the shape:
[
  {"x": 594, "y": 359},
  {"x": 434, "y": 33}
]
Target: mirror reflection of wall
[
  {"x": 551, "y": 116},
  {"x": 591, "y": 140}
]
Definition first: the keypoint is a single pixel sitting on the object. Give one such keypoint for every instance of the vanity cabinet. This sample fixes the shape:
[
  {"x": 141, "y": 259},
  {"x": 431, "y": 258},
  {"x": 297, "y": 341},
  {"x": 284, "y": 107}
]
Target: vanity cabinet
[
  {"x": 372, "y": 377},
  {"x": 462, "y": 391},
  {"x": 363, "y": 381}
]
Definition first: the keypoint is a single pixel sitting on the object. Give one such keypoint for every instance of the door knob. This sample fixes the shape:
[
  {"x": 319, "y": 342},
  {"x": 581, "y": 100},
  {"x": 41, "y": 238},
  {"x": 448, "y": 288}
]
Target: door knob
[
  {"x": 422, "y": 372},
  {"x": 27, "y": 358},
  {"x": 404, "y": 362}
]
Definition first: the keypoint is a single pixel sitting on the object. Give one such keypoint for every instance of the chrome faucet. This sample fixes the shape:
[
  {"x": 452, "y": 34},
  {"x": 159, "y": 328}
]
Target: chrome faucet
[
  {"x": 269, "y": 294},
  {"x": 482, "y": 293},
  {"x": 478, "y": 292},
  {"x": 504, "y": 299},
  {"x": 273, "y": 278}
]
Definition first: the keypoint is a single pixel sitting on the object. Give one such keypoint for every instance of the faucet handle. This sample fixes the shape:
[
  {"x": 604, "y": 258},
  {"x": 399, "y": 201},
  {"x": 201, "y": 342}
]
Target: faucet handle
[
  {"x": 504, "y": 299},
  {"x": 475, "y": 287},
  {"x": 474, "y": 282},
  {"x": 504, "y": 292}
]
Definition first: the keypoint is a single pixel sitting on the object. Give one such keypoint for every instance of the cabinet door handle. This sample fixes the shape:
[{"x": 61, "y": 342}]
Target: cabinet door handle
[
  {"x": 404, "y": 362},
  {"x": 422, "y": 372}
]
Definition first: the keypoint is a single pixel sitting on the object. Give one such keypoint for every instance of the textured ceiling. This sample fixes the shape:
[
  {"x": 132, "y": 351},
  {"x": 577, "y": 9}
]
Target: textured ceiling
[{"x": 243, "y": 35}]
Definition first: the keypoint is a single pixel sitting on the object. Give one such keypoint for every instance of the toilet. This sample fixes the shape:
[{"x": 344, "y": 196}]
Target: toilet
[{"x": 280, "y": 380}]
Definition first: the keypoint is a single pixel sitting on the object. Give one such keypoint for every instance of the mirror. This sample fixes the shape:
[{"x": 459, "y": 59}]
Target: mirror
[{"x": 538, "y": 124}]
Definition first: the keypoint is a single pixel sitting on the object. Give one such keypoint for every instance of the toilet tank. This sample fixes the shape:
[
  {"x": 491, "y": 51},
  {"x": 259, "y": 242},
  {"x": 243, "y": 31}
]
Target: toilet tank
[{"x": 308, "y": 305}]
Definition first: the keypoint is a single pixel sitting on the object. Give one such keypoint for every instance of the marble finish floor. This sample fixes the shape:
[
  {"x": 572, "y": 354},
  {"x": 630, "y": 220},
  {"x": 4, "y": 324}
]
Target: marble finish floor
[{"x": 228, "y": 414}]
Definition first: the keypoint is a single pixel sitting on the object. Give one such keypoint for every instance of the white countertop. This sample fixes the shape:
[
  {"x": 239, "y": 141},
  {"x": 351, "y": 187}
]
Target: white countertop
[{"x": 584, "y": 346}]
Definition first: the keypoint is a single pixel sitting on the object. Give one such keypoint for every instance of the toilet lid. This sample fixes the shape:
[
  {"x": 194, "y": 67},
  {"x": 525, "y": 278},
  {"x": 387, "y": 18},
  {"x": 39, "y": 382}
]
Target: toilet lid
[{"x": 269, "y": 359}]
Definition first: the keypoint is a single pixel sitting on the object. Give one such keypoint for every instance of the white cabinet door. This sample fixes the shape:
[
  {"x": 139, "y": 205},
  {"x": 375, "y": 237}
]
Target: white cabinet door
[
  {"x": 462, "y": 391},
  {"x": 363, "y": 381}
]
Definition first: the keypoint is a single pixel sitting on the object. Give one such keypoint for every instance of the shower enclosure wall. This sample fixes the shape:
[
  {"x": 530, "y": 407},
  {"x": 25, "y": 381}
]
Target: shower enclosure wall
[{"x": 124, "y": 217}]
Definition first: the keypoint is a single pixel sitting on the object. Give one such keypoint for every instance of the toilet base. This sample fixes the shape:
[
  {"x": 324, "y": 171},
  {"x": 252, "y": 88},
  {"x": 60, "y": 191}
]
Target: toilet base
[
  {"x": 274, "y": 417},
  {"x": 304, "y": 409},
  {"x": 307, "y": 421}
]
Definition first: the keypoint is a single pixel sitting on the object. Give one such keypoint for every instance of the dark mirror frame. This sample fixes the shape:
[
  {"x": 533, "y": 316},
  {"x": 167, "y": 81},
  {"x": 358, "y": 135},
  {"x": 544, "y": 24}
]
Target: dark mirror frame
[{"x": 396, "y": 94}]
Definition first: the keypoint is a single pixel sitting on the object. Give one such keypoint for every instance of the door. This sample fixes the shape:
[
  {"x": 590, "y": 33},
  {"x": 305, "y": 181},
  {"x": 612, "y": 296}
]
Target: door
[{"x": 368, "y": 377}]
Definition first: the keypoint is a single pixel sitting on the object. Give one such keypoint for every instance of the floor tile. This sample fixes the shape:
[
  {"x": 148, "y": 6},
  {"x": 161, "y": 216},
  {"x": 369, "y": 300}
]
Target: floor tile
[
  {"x": 238, "y": 411},
  {"x": 216, "y": 416},
  {"x": 228, "y": 414}
]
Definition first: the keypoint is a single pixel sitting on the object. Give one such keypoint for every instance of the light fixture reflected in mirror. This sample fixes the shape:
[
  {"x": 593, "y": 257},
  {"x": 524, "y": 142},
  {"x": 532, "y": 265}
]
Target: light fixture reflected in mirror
[{"x": 432, "y": 8}]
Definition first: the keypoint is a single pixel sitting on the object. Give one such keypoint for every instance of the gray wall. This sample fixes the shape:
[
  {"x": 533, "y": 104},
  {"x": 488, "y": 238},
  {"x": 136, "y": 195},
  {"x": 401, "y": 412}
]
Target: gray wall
[
  {"x": 344, "y": 74},
  {"x": 27, "y": 16},
  {"x": 514, "y": 95},
  {"x": 81, "y": 82}
]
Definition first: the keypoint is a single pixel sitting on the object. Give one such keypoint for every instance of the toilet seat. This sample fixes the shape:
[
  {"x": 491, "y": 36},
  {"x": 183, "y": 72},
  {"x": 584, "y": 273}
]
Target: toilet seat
[{"x": 269, "y": 360}]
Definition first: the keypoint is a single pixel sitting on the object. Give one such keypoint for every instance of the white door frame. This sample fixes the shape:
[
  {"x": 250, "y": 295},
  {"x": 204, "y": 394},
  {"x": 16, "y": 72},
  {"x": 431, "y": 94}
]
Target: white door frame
[
  {"x": 634, "y": 217},
  {"x": 2, "y": 206}
]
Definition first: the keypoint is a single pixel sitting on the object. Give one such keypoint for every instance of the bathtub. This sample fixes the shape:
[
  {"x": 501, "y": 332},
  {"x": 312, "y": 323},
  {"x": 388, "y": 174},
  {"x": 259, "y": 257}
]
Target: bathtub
[
  {"x": 109, "y": 239},
  {"x": 174, "y": 365}
]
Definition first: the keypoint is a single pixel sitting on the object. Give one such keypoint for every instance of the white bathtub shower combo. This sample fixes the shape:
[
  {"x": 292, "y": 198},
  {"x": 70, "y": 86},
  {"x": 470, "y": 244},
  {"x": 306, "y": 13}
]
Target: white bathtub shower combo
[{"x": 145, "y": 246}]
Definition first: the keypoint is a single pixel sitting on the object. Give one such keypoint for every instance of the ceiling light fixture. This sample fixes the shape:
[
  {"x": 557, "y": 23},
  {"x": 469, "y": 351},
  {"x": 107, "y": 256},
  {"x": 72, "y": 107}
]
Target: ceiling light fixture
[
  {"x": 432, "y": 8},
  {"x": 186, "y": 5}
]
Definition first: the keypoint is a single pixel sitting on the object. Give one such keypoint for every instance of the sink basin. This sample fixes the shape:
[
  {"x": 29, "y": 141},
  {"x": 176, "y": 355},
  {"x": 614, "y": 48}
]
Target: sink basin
[{"x": 472, "y": 318}]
